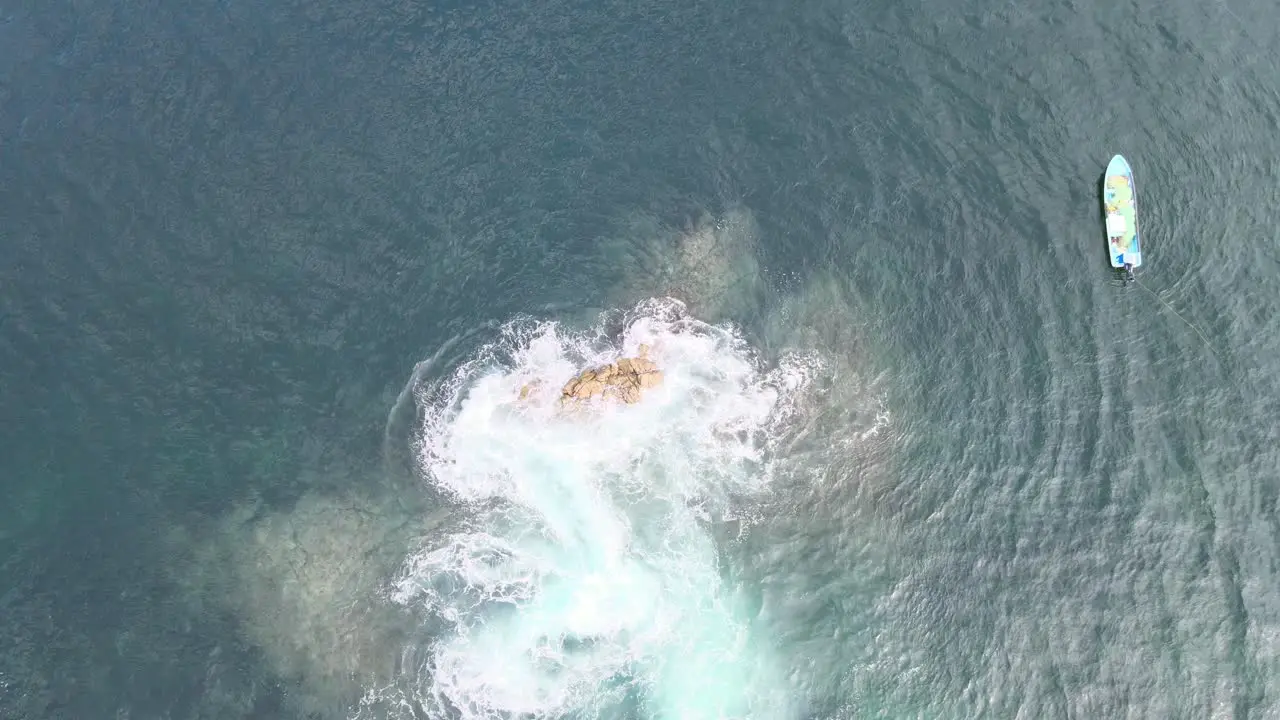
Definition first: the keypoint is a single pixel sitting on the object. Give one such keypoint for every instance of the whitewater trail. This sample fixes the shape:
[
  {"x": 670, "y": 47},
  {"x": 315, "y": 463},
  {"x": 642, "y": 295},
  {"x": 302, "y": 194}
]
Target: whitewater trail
[{"x": 585, "y": 579}]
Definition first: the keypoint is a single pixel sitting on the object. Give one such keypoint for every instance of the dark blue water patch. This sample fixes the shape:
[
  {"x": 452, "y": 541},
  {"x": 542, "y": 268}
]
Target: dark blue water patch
[{"x": 88, "y": 622}]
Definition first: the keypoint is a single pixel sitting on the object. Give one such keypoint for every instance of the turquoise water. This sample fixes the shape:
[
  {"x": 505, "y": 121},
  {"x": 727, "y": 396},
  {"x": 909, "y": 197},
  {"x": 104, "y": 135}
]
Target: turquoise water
[{"x": 274, "y": 276}]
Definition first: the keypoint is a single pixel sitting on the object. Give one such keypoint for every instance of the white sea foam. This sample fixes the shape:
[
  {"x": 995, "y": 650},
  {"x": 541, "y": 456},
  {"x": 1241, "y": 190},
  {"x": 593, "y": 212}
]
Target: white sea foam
[{"x": 586, "y": 579}]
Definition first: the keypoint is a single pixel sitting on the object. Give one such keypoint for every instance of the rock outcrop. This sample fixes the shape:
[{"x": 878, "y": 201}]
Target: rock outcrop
[{"x": 622, "y": 380}]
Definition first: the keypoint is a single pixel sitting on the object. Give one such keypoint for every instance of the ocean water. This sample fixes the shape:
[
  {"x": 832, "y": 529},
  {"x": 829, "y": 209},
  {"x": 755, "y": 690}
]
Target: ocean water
[{"x": 274, "y": 276}]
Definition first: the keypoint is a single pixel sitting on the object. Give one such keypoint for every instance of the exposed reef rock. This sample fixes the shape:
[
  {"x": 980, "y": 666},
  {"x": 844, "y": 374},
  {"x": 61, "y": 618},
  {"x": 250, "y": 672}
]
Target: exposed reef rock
[{"x": 622, "y": 380}]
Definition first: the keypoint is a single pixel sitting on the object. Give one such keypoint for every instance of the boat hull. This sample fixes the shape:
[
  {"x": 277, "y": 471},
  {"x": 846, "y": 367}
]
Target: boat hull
[{"x": 1120, "y": 208}]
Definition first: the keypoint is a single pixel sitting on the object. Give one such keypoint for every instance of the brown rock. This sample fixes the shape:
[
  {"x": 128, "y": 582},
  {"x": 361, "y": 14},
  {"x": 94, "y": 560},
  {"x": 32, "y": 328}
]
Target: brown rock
[
  {"x": 622, "y": 380},
  {"x": 589, "y": 388}
]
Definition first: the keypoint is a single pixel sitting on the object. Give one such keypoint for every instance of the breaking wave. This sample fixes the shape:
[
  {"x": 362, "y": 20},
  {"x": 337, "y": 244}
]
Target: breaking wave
[{"x": 586, "y": 577}]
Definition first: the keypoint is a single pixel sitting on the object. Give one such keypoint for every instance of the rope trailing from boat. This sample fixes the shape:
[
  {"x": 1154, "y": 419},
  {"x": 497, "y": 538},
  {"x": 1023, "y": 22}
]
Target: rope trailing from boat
[{"x": 1183, "y": 319}]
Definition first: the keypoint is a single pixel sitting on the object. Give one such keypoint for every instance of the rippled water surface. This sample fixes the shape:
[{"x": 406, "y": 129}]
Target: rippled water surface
[{"x": 274, "y": 276}]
